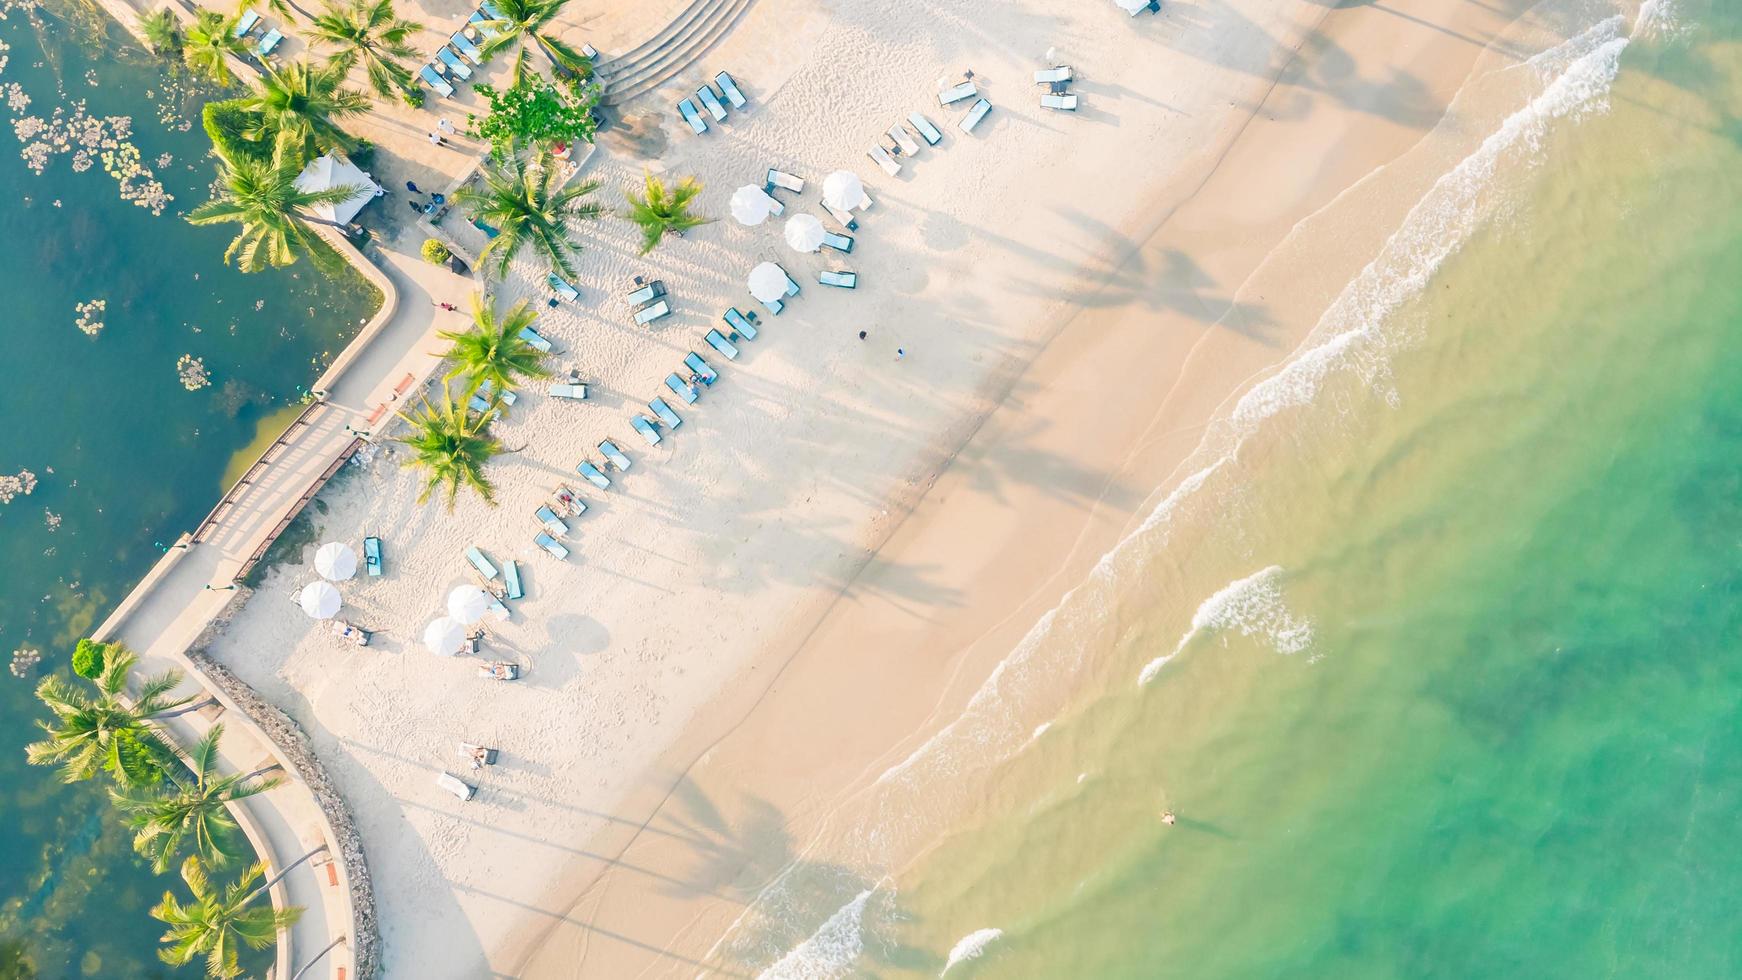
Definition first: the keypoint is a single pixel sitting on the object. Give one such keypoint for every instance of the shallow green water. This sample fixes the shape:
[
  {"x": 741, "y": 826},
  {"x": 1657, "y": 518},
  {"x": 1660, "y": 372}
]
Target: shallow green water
[{"x": 124, "y": 457}]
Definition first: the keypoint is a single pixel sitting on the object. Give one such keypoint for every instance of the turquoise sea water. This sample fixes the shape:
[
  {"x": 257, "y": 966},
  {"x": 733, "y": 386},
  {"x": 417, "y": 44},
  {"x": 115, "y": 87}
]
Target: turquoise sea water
[{"x": 124, "y": 458}]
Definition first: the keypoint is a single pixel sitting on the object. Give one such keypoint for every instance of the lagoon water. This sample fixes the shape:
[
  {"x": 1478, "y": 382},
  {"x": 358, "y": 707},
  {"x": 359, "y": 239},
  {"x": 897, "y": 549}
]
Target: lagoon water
[{"x": 124, "y": 458}]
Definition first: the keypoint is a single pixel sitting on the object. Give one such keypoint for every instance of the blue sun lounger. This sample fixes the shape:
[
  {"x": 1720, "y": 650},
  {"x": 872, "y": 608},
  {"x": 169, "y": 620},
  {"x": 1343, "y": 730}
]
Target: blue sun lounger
[
  {"x": 648, "y": 314},
  {"x": 511, "y": 578},
  {"x": 372, "y": 555},
  {"x": 269, "y": 43},
  {"x": 845, "y": 280},
  {"x": 454, "y": 63},
  {"x": 720, "y": 344},
  {"x": 665, "y": 414},
  {"x": 966, "y": 90},
  {"x": 614, "y": 454},
  {"x": 481, "y": 399},
  {"x": 246, "y": 23},
  {"x": 843, "y": 218},
  {"x": 691, "y": 116},
  {"x": 926, "y": 129},
  {"x": 737, "y": 321},
  {"x": 694, "y": 362},
  {"x": 434, "y": 80},
  {"x": 479, "y": 19},
  {"x": 730, "y": 88},
  {"x": 840, "y": 243},
  {"x": 711, "y": 102},
  {"x": 481, "y": 563},
  {"x": 464, "y": 45},
  {"x": 551, "y": 522},
  {"x": 490, "y": 10},
  {"x": 536, "y": 339},
  {"x": 784, "y": 181},
  {"x": 562, "y": 288},
  {"x": 773, "y": 306},
  {"x": 646, "y": 429},
  {"x": 551, "y": 546},
  {"x": 594, "y": 475},
  {"x": 681, "y": 388},
  {"x": 977, "y": 113},
  {"x": 791, "y": 283},
  {"x": 647, "y": 293}
]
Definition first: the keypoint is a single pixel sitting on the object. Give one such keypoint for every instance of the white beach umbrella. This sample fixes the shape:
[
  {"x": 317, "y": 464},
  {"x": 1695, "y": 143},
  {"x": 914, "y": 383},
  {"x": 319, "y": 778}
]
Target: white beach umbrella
[
  {"x": 467, "y": 604},
  {"x": 320, "y": 600},
  {"x": 444, "y": 637},
  {"x": 843, "y": 189},
  {"x": 336, "y": 561},
  {"x": 804, "y": 232},
  {"x": 751, "y": 205},
  {"x": 1132, "y": 7},
  {"x": 767, "y": 282}
]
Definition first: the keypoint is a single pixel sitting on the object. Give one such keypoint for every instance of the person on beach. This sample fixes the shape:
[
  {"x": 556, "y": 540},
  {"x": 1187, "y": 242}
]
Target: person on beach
[
  {"x": 416, "y": 208},
  {"x": 435, "y": 139},
  {"x": 445, "y": 126},
  {"x": 412, "y": 187},
  {"x": 861, "y": 335},
  {"x": 900, "y": 352}
]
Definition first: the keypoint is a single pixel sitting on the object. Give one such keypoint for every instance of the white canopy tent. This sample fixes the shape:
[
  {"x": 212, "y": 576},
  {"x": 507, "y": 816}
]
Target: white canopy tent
[{"x": 327, "y": 172}]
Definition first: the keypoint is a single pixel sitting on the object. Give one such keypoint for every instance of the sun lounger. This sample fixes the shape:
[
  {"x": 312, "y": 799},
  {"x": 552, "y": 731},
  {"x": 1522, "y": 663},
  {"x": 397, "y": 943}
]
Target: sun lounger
[
  {"x": 246, "y": 22},
  {"x": 647, "y": 293},
  {"x": 691, "y": 116},
  {"x": 739, "y": 322},
  {"x": 721, "y": 344},
  {"x": 711, "y": 102},
  {"x": 572, "y": 392},
  {"x": 966, "y": 90},
  {"x": 791, "y": 283},
  {"x": 454, "y": 785},
  {"x": 681, "y": 388},
  {"x": 372, "y": 555},
  {"x": 569, "y": 501},
  {"x": 591, "y": 52},
  {"x": 694, "y": 362},
  {"x": 884, "y": 160},
  {"x": 481, "y": 20},
  {"x": 536, "y": 339},
  {"x": 552, "y": 546},
  {"x": 594, "y": 475},
  {"x": 490, "y": 10},
  {"x": 773, "y": 306},
  {"x": 840, "y": 243},
  {"x": 665, "y": 414},
  {"x": 480, "y": 400},
  {"x": 454, "y": 63},
  {"x": 1065, "y": 102},
  {"x": 562, "y": 288},
  {"x": 646, "y": 429},
  {"x": 434, "y": 80},
  {"x": 481, "y": 563},
  {"x": 614, "y": 454},
  {"x": 511, "y": 576},
  {"x": 551, "y": 522},
  {"x": 925, "y": 129},
  {"x": 845, "y": 280},
  {"x": 784, "y": 181},
  {"x": 1048, "y": 76},
  {"x": 648, "y": 314},
  {"x": 845, "y": 219},
  {"x": 903, "y": 139},
  {"x": 497, "y": 609},
  {"x": 464, "y": 45},
  {"x": 977, "y": 113},
  {"x": 269, "y": 43}
]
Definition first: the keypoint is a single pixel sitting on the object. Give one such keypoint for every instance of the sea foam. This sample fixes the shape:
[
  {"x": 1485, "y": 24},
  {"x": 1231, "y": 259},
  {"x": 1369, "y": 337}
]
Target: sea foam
[
  {"x": 830, "y": 951},
  {"x": 970, "y": 947},
  {"x": 1253, "y": 606}
]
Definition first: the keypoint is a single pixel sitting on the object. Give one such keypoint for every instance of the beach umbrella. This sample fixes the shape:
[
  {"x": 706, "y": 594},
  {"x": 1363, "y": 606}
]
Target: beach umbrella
[
  {"x": 336, "y": 561},
  {"x": 767, "y": 282},
  {"x": 467, "y": 604},
  {"x": 320, "y": 600},
  {"x": 751, "y": 205},
  {"x": 804, "y": 232},
  {"x": 844, "y": 190},
  {"x": 1132, "y": 7},
  {"x": 444, "y": 637}
]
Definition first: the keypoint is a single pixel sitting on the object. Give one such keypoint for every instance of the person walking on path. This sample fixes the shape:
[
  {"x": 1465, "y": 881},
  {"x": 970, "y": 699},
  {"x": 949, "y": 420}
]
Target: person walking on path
[
  {"x": 861, "y": 335},
  {"x": 412, "y": 187},
  {"x": 435, "y": 139},
  {"x": 446, "y": 126},
  {"x": 900, "y": 352}
]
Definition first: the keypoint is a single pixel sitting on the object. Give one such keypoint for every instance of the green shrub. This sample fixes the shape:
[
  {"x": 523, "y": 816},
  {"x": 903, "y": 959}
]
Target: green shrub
[
  {"x": 89, "y": 657},
  {"x": 435, "y": 251}
]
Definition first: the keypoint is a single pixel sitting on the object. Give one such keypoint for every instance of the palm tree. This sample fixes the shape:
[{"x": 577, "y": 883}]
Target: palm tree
[
  {"x": 367, "y": 31},
  {"x": 211, "y": 40},
  {"x": 263, "y": 198},
  {"x": 217, "y": 924},
  {"x": 282, "y": 8},
  {"x": 493, "y": 352},
  {"x": 451, "y": 445},
  {"x": 195, "y": 810},
  {"x": 299, "y": 106},
  {"x": 662, "y": 210},
  {"x": 109, "y": 732},
  {"x": 162, "y": 32},
  {"x": 527, "y": 204},
  {"x": 526, "y": 22}
]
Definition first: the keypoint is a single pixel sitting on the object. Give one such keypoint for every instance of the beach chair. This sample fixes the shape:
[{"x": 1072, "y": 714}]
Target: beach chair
[
  {"x": 551, "y": 522},
  {"x": 573, "y": 392},
  {"x": 719, "y": 343},
  {"x": 489, "y": 230},
  {"x": 350, "y": 634},
  {"x": 464, "y": 45},
  {"x": 589, "y": 51},
  {"x": 884, "y": 160},
  {"x": 647, "y": 293},
  {"x": 246, "y": 23},
  {"x": 729, "y": 88},
  {"x": 843, "y": 218},
  {"x": 594, "y": 475},
  {"x": 643, "y": 426},
  {"x": 491, "y": 11},
  {"x": 711, "y": 102},
  {"x": 791, "y": 283},
  {"x": 453, "y": 784},
  {"x": 562, "y": 288},
  {"x": 1066, "y": 102},
  {"x": 652, "y": 312},
  {"x": 784, "y": 181},
  {"x": 957, "y": 93},
  {"x": 551, "y": 546},
  {"x": 372, "y": 555},
  {"x": 681, "y": 388},
  {"x": 694, "y": 362},
  {"x": 536, "y": 339},
  {"x": 480, "y": 400},
  {"x": 903, "y": 139},
  {"x": 269, "y": 43},
  {"x": 691, "y": 116},
  {"x": 570, "y": 501},
  {"x": 773, "y": 306},
  {"x": 925, "y": 129},
  {"x": 434, "y": 80},
  {"x": 845, "y": 280},
  {"x": 481, "y": 21},
  {"x": 511, "y": 577},
  {"x": 840, "y": 243},
  {"x": 1051, "y": 76},
  {"x": 482, "y": 564},
  {"x": 454, "y": 63},
  {"x": 614, "y": 454},
  {"x": 739, "y": 322},
  {"x": 977, "y": 113},
  {"x": 664, "y": 413}
]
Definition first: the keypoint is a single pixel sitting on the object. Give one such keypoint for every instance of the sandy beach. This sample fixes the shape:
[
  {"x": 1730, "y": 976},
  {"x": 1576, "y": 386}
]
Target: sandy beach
[{"x": 810, "y": 576}]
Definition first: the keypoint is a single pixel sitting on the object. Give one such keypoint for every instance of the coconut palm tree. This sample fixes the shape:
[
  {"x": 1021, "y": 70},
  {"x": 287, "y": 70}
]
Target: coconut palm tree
[
  {"x": 451, "y": 444},
  {"x": 366, "y": 31},
  {"x": 109, "y": 732},
  {"x": 217, "y": 924},
  {"x": 211, "y": 40},
  {"x": 299, "y": 106},
  {"x": 526, "y": 203},
  {"x": 525, "y": 22},
  {"x": 493, "y": 352},
  {"x": 162, "y": 32},
  {"x": 662, "y": 210},
  {"x": 263, "y": 198},
  {"x": 195, "y": 809}
]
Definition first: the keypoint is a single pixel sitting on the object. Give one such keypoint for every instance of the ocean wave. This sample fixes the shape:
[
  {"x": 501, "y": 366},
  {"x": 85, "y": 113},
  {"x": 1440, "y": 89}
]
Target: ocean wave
[
  {"x": 970, "y": 947},
  {"x": 1253, "y": 606},
  {"x": 830, "y": 951}
]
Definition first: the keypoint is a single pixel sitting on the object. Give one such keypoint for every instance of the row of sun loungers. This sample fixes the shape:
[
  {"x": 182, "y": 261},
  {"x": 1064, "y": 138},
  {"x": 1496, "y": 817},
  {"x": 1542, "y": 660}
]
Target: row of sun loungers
[
  {"x": 561, "y": 287},
  {"x": 451, "y": 59},
  {"x": 648, "y": 301},
  {"x": 710, "y": 101},
  {"x": 268, "y": 42},
  {"x": 1057, "y": 80}
]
